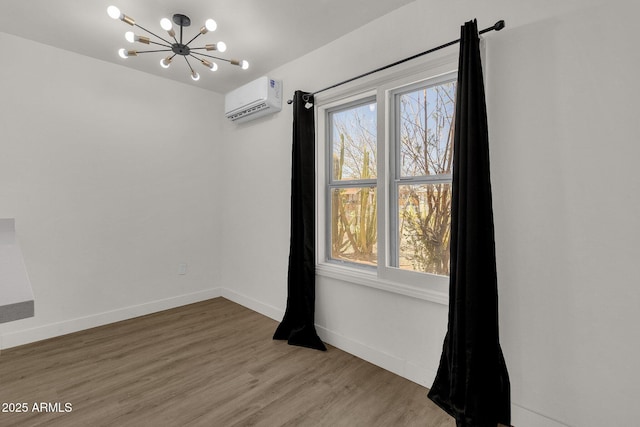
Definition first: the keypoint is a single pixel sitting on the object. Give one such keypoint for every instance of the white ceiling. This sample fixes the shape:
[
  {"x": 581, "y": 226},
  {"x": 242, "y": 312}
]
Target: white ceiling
[{"x": 267, "y": 33}]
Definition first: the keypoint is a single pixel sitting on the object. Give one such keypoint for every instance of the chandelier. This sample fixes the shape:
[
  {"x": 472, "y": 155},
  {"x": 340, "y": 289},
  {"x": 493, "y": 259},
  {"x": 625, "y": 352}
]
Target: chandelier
[{"x": 177, "y": 46}]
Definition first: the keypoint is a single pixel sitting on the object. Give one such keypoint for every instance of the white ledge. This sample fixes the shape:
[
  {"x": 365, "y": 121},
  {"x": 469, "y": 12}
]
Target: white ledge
[{"x": 371, "y": 280}]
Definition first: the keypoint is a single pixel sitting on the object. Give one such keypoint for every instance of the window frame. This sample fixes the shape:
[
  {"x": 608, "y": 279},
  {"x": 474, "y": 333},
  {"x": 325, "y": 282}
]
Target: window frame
[{"x": 383, "y": 88}]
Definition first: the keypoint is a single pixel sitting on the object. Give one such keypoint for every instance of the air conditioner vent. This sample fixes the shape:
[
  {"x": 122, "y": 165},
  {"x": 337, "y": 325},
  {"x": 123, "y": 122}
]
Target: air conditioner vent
[
  {"x": 256, "y": 99},
  {"x": 248, "y": 111}
]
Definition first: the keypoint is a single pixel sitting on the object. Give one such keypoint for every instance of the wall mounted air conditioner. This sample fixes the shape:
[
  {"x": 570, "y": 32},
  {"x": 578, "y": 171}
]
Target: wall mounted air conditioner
[{"x": 256, "y": 99}]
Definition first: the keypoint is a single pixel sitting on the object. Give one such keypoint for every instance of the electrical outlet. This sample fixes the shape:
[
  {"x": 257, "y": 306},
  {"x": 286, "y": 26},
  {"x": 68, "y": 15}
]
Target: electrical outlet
[{"x": 182, "y": 269}]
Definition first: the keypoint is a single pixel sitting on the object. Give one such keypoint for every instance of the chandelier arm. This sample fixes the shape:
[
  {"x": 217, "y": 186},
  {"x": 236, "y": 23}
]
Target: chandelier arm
[
  {"x": 200, "y": 59},
  {"x": 195, "y": 37},
  {"x": 153, "y": 34},
  {"x": 210, "y": 56},
  {"x": 152, "y": 51},
  {"x": 190, "y": 67},
  {"x": 160, "y": 44},
  {"x": 199, "y": 48}
]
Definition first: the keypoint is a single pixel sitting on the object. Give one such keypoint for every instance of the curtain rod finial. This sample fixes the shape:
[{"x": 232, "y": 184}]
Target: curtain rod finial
[
  {"x": 499, "y": 25},
  {"x": 290, "y": 101}
]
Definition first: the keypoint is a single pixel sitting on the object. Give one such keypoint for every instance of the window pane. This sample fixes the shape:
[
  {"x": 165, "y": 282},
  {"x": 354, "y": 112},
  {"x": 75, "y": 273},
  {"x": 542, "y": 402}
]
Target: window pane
[
  {"x": 354, "y": 225},
  {"x": 353, "y": 143},
  {"x": 426, "y": 130},
  {"x": 424, "y": 221}
]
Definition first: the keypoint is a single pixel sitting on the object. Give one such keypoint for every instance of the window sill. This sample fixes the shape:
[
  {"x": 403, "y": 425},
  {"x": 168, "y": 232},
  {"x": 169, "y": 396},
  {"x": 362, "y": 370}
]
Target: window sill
[{"x": 370, "y": 279}]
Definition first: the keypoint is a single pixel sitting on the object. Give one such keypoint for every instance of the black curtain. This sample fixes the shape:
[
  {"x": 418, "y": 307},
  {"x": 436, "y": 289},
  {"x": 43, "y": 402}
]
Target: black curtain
[
  {"x": 297, "y": 326},
  {"x": 472, "y": 383}
]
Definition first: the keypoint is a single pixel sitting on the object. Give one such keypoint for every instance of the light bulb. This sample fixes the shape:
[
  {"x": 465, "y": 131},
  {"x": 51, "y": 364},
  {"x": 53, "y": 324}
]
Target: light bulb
[
  {"x": 242, "y": 64},
  {"x": 131, "y": 38},
  {"x": 165, "y": 62},
  {"x": 166, "y": 24},
  {"x": 123, "y": 53},
  {"x": 210, "y": 25},
  {"x": 211, "y": 65},
  {"x": 220, "y": 46},
  {"x": 114, "y": 12},
  {"x": 195, "y": 76}
]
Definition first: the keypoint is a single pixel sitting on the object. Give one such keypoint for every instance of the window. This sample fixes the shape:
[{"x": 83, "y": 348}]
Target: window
[
  {"x": 421, "y": 193},
  {"x": 352, "y": 183},
  {"x": 385, "y": 183}
]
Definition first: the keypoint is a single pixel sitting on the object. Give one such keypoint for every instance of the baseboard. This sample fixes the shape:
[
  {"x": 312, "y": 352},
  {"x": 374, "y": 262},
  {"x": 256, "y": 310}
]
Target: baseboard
[
  {"x": 253, "y": 304},
  {"x": 14, "y": 339},
  {"x": 379, "y": 358},
  {"x": 419, "y": 374},
  {"x": 523, "y": 417},
  {"x": 386, "y": 361}
]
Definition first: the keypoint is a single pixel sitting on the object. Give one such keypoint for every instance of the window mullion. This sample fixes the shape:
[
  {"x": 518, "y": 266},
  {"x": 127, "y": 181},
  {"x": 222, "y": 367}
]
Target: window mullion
[
  {"x": 394, "y": 176},
  {"x": 353, "y": 183},
  {"x": 424, "y": 179}
]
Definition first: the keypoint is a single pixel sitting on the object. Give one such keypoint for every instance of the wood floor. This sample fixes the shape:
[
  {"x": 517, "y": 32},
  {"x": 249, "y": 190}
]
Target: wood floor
[{"x": 207, "y": 364}]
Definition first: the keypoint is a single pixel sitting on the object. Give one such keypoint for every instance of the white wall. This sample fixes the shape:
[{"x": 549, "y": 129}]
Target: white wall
[
  {"x": 112, "y": 177},
  {"x": 564, "y": 151},
  {"x": 561, "y": 99}
]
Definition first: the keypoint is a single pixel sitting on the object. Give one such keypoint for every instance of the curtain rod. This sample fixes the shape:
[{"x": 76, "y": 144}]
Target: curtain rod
[{"x": 496, "y": 27}]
